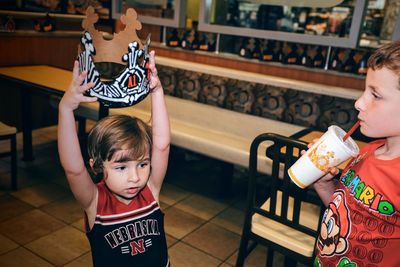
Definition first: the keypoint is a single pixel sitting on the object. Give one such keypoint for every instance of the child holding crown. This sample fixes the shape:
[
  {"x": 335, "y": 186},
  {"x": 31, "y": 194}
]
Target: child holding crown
[{"x": 123, "y": 220}]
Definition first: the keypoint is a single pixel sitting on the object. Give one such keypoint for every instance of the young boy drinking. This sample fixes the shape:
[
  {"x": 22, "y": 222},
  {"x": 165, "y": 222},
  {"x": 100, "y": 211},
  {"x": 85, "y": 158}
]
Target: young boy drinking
[{"x": 361, "y": 226}]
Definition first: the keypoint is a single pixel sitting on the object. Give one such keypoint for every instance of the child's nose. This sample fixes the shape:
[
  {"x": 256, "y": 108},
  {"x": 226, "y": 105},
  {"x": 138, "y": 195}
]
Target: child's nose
[
  {"x": 133, "y": 176},
  {"x": 359, "y": 105}
]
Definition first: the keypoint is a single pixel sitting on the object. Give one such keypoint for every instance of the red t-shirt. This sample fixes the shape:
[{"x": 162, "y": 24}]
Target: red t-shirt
[{"x": 361, "y": 226}]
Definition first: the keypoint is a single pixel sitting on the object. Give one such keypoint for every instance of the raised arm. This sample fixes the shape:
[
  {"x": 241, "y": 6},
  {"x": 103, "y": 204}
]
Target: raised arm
[
  {"x": 69, "y": 150},
  {"x": 160, "y": 130}
]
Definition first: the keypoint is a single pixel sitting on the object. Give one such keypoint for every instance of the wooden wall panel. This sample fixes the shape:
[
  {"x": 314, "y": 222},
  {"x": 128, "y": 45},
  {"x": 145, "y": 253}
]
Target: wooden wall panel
[
  {"x": 38, "y": 50},
  {"x": 61, "y": 51}
]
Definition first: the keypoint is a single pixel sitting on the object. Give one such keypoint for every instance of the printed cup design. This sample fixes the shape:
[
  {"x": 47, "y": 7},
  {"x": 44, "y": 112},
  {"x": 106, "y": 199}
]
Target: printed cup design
[
  {"x": 329, "y": 151},
  {"x": 322, "y": 158}
]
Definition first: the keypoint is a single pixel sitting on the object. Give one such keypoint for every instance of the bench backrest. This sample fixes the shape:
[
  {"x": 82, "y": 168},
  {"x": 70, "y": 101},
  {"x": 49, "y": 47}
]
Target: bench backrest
[{"x": 217, "y": 119}]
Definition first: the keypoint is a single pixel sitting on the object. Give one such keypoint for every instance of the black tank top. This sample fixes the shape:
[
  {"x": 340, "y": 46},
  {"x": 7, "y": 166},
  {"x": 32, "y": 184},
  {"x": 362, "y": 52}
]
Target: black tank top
[{"x": 128, "y": 235}]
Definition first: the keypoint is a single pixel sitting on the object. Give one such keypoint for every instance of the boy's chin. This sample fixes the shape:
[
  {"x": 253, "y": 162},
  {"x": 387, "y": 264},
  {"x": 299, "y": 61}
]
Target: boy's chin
[{"x": 371, "y": 134}]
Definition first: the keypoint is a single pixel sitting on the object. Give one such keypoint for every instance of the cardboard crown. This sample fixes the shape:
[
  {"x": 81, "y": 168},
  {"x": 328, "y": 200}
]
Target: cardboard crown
[{"x": 129, "y": 86}]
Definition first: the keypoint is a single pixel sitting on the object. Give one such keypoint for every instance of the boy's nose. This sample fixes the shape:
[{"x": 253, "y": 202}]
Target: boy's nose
[{"x": 359, "y": 104}]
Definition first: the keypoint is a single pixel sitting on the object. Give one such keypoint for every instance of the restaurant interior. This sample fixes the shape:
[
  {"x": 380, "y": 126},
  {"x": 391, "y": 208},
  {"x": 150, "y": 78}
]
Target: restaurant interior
[{"x": 231, "y": 71}]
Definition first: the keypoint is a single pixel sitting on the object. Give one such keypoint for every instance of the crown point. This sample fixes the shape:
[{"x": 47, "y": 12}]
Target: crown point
[{"x": 111, "y": 47}]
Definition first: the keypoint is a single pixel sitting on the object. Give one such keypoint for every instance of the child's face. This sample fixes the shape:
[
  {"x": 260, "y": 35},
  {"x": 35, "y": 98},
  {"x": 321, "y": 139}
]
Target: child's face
[
  {"x": 379, "y": 105},
  {"x": 125, "y": 177}
]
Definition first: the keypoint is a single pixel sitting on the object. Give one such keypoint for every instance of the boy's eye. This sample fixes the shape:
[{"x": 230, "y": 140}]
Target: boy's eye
[{"x": 375, "y": 95}]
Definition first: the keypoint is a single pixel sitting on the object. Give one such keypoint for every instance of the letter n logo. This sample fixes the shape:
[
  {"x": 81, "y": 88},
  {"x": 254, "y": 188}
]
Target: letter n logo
[{"x": 137, "y": 247}]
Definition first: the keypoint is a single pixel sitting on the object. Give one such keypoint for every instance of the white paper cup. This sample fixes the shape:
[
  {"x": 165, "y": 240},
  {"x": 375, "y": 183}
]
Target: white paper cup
[{"x": 329, "y": 151}]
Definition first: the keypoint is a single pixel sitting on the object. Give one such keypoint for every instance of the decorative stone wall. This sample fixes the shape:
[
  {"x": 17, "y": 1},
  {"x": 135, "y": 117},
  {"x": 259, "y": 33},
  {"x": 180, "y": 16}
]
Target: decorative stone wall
[{"x": 283, "y": 104}]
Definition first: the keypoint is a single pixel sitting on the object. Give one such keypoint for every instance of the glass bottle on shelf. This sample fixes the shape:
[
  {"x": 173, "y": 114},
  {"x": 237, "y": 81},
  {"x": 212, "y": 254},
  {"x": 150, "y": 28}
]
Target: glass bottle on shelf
[
  {"x": 206, "y": 43},
  {"x": 10, "y": 24},
  {"x": 256, "y": 52},
  {"x": 48, "y": 24},
  {"x": 350, "y": 64},
  {"x": 278, "y": 53},
  {"x": 335, "y": 63},
  {"x": 196, "y": 41},
  {"x": 244, "y": 50},
  {"x": 268, "y": 52},
  {"x": 362, "y": 67},
  {"x": 190, "y": 39},
  {"x": 291, "y": 56},
  {"x": 187, "y": 39},
  {"x": 304, "y": 58},
  {"x": 319, "y": 59},
  {"x": 173, "y": 40}
]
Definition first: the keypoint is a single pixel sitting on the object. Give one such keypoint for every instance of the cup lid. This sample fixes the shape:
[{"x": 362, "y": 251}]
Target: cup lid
[{"x": 349, "y": 145}]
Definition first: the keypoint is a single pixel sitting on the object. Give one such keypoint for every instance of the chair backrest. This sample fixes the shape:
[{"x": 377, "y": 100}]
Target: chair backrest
[{"x": 286, "y": 201}]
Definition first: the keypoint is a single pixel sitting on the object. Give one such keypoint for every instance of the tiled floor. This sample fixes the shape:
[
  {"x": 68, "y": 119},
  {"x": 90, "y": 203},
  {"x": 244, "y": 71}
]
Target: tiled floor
[{"x": 41, "y": 224}]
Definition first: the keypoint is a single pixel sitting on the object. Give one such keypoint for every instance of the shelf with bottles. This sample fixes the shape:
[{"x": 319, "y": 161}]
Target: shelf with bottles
[
  {"x": 51, "y": 16},
  {"x": 324, "y": 58},
  {"x": 191, "y": 39},
  {"x": 62, "y": 9},
  {"x": 44, "y": 22},
  {"x": 352, "y": 61}
]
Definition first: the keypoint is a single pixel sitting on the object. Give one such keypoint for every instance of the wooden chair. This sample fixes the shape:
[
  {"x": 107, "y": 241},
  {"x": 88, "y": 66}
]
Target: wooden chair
[
  {"x": 279, "y": 215},
  {"x": 10, "y": 133}
]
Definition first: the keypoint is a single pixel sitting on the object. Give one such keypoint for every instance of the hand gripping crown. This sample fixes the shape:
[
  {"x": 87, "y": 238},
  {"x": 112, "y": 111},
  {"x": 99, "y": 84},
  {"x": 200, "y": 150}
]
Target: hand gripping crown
[{"x": 131, "y": 85}]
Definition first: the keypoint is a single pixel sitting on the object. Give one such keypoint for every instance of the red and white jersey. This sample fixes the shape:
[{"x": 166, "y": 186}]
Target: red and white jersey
[{"x": 128, "y": 235}]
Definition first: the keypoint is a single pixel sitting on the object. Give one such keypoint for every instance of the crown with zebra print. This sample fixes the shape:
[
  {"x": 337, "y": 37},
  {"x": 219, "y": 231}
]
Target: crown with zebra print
[{"x": 129, "y": 86}]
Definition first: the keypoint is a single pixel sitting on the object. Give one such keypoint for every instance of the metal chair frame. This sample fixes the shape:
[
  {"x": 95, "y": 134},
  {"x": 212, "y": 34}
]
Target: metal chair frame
[
  {"x": 13, "y": 153},
  {"x": 276, "y": 183}
]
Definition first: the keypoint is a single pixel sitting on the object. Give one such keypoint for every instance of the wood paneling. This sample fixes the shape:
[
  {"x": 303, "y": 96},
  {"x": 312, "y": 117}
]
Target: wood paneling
[
  {"x": 38, "y": 50},
  {"x": 61, "y": 52}
]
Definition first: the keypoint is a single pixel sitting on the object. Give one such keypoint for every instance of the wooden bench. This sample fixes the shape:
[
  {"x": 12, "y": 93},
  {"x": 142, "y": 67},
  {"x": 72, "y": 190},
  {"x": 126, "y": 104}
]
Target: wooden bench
[{"x": 219, "y": 133}]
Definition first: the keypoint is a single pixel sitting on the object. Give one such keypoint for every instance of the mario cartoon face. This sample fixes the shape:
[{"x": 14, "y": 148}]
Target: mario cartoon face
[{"x": 334, "y": 228}]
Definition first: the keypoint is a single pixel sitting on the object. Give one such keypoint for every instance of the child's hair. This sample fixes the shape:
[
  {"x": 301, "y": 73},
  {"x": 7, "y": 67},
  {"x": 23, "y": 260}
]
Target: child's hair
[
  {"x": 387, "y": 56},
  {"x": 117, "y": 132}
]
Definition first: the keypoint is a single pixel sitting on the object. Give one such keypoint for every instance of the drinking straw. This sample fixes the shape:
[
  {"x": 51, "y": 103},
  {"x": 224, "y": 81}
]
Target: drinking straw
[{"x": 351, "y": 131}]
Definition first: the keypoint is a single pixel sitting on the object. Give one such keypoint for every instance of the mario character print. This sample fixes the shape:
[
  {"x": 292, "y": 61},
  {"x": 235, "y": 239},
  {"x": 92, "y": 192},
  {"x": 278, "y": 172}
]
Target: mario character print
[{"x": 335, "y": 227}]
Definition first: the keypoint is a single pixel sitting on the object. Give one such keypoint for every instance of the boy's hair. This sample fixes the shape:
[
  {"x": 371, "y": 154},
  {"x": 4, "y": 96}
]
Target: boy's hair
[
  {"x": 117, "y": 132},
  {"x": 387, "y": 56}
]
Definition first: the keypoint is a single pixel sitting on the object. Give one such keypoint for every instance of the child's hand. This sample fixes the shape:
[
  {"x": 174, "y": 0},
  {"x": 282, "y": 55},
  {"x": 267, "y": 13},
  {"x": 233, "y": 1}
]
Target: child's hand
[
  {"x": 154, "y": 81},
  {"x": 74, "y": 95}
]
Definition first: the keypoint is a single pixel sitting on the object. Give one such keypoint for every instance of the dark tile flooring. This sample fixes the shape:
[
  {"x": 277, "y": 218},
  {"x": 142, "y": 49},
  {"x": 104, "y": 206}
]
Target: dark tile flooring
[{"x": 41, "y": 223}]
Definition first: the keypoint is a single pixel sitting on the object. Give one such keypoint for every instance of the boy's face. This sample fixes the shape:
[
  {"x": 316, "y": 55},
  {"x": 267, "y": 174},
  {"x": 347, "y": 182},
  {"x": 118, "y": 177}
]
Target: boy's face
[
  {"x": 126, "y": 177},
  {"x": 379, "y": 105}
]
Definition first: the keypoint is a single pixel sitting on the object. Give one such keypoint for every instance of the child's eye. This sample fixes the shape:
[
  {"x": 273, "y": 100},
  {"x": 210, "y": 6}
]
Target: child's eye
[
  {"x": 375, "y": 95},
  {"x": 120, "y": 168},
  {"x": 143, "y": 164}
]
